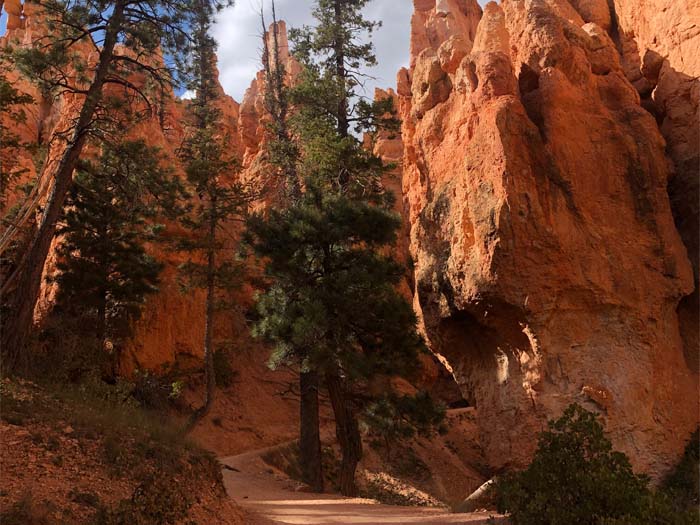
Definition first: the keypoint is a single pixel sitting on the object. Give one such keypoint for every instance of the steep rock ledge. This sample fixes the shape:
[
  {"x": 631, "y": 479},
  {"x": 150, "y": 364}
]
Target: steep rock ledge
[
  {"x": 548, "y": 268},
  {"x": 660, "y": 45}
]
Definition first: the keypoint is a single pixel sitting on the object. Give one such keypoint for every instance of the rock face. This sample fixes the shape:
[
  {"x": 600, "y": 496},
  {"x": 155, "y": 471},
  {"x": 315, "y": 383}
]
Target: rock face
[
  {"x": 660, "y": 43},
  {"x": 171, "y": 329},
  {"x": 170, "y": 332},
  {"x": 548, "y": 268}
]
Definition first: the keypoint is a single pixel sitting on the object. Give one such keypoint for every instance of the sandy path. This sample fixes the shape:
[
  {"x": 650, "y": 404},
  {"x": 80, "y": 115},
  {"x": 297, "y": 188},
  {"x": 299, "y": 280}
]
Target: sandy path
[{"x": 267, "y": 493}]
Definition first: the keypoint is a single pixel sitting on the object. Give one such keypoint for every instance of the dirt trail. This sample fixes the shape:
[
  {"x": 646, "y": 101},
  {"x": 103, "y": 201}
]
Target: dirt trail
[{"x": 267, "y": 493}]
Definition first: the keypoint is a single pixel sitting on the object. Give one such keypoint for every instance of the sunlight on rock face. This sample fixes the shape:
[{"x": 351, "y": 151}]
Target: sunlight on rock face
[{"x": 501, "y": 367}]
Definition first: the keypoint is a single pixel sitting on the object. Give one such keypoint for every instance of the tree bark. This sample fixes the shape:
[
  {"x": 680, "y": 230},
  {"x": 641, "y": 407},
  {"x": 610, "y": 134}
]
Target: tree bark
[
  {"x": 209, "y": 372},
  {"x": 310, "y": 433},
  {"x": 341, "y": 73},
  {"x": 17, "y": 323},
  {"x": 101, "y": 328},
  {"x": 205, "y": 97},
  {"x": 347, "y": 432}
]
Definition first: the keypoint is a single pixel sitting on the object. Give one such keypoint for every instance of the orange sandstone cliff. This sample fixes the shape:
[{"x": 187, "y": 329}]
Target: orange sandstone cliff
[
  {"x": 548, "y": 266},
  {"x": 169, "y": 334}
]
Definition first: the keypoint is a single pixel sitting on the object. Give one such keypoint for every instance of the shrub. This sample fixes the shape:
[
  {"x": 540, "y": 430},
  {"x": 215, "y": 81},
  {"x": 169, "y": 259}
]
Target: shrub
[
  {"x": 393, "y": 418},
  {"x": 86, "y": 498},
  {"x": 26, "y": 512},
  {"x": 154, "y": 502},
  {"x": 683, "y": 484},
  {"x": 155, "y": 392},
  {"x": 223, "y": 371},
  {"x": 65, "y": 352},
  {"x": 577, "y": 477}
]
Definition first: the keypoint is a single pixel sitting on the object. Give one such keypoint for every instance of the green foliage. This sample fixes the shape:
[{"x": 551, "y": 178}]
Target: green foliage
[
  {"x": 86, "y": 498},
  {"x": 577, "y": 477},
  {"x": 211, "y": 168},
  {"x": 26, "y": 511},
  {"x": 138, "y": 445},
  {"x": 393, "y": 418},
  {"x": 334, "y": 299},
  {"x": 332, "y": 302},
  {"x": 149, "y": 28},
  {"x": 13, "y": 115},
  {"x": 331, "y": 305},
  {"x": 683, "y": 484},
  {"x": 104, "y": 272},
  {"x": 153, "y": 391},
  {"x": 224, "y": 371},
  {"x": 220, "y": 200},
  {"x": 154, "y": 502},
  {"x": 333, "y": 55},
  {"x": 67, "y": 351}
]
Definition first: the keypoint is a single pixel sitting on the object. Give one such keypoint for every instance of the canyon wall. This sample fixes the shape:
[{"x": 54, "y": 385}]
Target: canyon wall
[
  {"x": 548, "y": 268},
  {"x": 541, "y": 140},
  {"x": 169, "y": 334},
  {"x": 660, "y": 46}
]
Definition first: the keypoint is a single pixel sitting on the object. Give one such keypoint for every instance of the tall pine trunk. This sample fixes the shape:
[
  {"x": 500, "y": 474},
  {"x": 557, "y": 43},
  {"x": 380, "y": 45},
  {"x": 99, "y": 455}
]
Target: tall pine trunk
[
  {"x": 341, "y": 74},
  {"x": 346, "y": 425},
  {"x": 310, "y": 435},
  {"x": 209, "y": 372},
  {"x": 101, "y": 328},
  {"x": 309, "y": 424},
  {"x": 347, "y": 432},
  {"x": 18, "y": 322},
  {"x": 109, "y": 365}
]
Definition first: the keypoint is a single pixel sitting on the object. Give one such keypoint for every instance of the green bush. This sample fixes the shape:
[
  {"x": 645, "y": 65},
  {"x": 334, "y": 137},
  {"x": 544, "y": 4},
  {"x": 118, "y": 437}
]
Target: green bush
[
  {"x": 223, "y": 371},
  {"x": 155, "y": 392},
  {"x": 63, "y": 352},
  {"x": 394, "y": 418},
  {"x": 154, "y": 502},
  {"x": 26, "y": 511},
  {"x": 577, "y": 478},
  {"x": 683, "y": 484}
]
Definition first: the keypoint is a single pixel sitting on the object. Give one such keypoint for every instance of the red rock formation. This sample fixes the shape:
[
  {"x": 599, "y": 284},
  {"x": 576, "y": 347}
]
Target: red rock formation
[
  {"x": 660, "y": 42},
  {"x": 172, "y": 324},
  {"x": 548, "y": 268}
]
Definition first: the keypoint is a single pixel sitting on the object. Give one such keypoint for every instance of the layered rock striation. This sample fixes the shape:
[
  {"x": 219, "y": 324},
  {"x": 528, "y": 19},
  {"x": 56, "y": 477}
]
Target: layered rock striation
[{"x": 548, "y": 267}]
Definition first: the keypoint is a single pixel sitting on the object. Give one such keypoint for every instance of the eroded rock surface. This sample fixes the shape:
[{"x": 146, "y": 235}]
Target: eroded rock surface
[
  {"x": 660, "y": 43},
  {"x": 547, "y": 264}
]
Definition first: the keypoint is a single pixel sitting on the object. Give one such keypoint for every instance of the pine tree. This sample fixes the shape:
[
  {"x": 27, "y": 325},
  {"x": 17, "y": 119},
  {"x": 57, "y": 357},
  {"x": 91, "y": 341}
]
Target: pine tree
[
  {"x": 211, "y": 171},
  {"x": 60, "y": 63},
  {"x": 104, "y": 272},
  {"x": 13, "y": 103},
  {"x": 12, "y": 114},
  {"x": 333, "y": 305},
  {"x": 283, "y": 153}
]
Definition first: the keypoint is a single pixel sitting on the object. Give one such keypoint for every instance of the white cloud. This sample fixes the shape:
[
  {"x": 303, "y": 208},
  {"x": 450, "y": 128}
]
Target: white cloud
[
  {"x": 188, "y": 95},
  {"x": 238, "y": 32}
]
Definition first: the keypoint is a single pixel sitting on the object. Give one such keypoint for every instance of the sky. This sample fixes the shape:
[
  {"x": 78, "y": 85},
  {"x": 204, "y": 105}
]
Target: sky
[{"x": 238, "y": 35}]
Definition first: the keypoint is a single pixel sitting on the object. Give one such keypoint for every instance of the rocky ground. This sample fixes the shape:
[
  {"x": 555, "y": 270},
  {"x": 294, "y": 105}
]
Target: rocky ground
[{"x": 67, "y": 462}]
